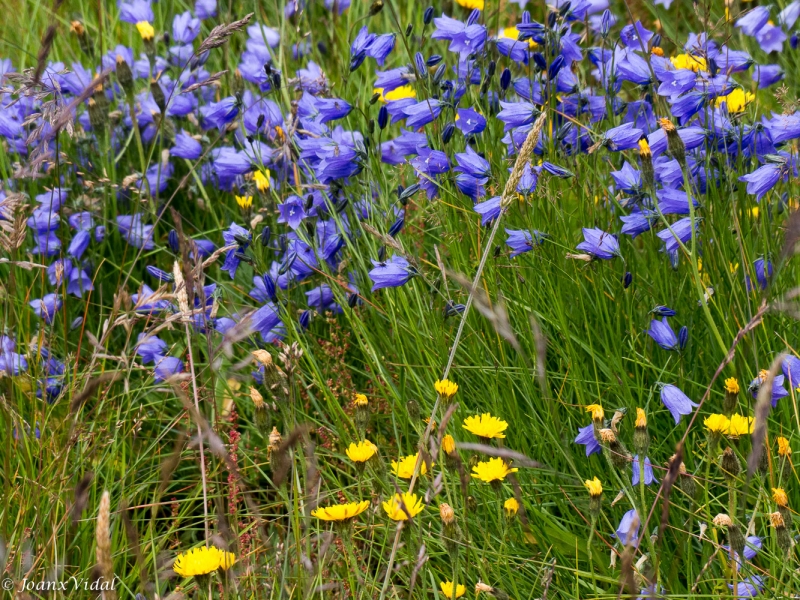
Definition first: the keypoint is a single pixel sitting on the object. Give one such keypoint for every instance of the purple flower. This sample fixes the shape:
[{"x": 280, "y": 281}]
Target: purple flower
[
  {"x": 265, "y": 320},
  {"x": 628, "y": 529},
  {"x": 681, "y": 230},
  {"x": 599, "y": 244},
  {"x": 186, "y": 147},
  {"x": 636, "y": 36},
  {"x": 145, "y": 303},
  {"x": 469, "y": 121},
  {"x": 763, "y": 179},
  {"x": 166, "y": 367},
  {"x": 675, "y": 83},
  {"x": 586, "y": 438},
  {"x": 750, "y": 587},
  {"x": 763, "y": 271},
  {"x": 489, "y": 209},
  {"x": 82, "y": 221},
  {"x": 46, "y": 307},
  {"x": 791, "y": 370},
  {"x": 331, "y": 109},
  {"x": 185, "y": 28},
  {"x": 649, "y": 477},
  {"x": 771, "y": 38},
  {"x": 392, "y": 273},
  {"x": 219, "y": 114},
  {"x": 321, "y": 299},
  {"x": 135, "y": 232},
  {"x": 639, "y": 221},
  {"x": 624, "y": 137},
  {"x": 79, "y": 282},
  {"x": 754, "y": 20},
  {"x": 292, "y": 211},
  {"x": 778, "y": 391},
  {"x": 205, "y": 9},
  {"x": 517, "y": 114},
  {"x": 676, "y": 402},
  {"x": 523, "y": 240},
  {"x": 789, "y": 15},
  {"x": 767, "y": 75},
  {"x": 627, "y": 179},
  {"x": 11, "y": 362},
  {"x": 674, "y": 202},
  {"x": 662, "y": 334},
  {"x": 423, "y": 112},
  {"x": 150, "y": 347},
  {"x": 136, "y": 12}
]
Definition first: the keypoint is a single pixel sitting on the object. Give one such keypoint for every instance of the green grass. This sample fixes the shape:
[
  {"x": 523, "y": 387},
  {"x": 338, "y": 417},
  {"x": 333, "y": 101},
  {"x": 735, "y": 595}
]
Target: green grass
[{"x": 138, "y": 440}]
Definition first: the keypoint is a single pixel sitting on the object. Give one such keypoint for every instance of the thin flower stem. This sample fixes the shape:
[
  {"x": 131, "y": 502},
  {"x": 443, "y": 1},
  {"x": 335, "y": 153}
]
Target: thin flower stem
[{"x": 199, "y": 432}]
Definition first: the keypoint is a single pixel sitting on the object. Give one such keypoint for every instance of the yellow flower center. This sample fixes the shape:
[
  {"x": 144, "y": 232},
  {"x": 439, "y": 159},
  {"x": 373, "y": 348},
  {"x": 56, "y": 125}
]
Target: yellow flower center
[{"x": 145, "y": 30}]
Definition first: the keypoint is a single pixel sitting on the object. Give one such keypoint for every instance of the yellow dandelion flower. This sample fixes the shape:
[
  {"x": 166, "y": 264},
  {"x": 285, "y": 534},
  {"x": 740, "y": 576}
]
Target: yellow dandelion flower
[
  {"x": 244, "y": 201},
  {"x": 779, "y": 497},
  {"x": 445, "y": 388},
  {"x": 494, "y": 469},
  {"x": 398, "y": 93},
  {"x": 644, "y": 148},
  {"x": 596, "y": 411},
  {"x": 687, "y": 61},
  {"x": 716, "y": 423},
  {"x": 733, "y": 267},
  {"x": 360, "y": 400},
  {"x": 362, "y": 451},
  {"x": 262, "y": 180},
  {"x": 341, "y": 512},
  {"x": 448, "y": 444},
  {"x": 485, "y": 426},
  {"x": 594, "y": 487},
  {"x": 722, "y": 520},
  {"x": 740, "y": 425},
  {"x": 447, "y": 586},
  {"x": 736, "y": 101},
  {"x": 145, "y": 30},
  {"x": 471, "y": 4},
  {"x": 731, "y": 385},
  {"x": 202, "y": 561},
  {"x": 657, "y": 51},
  {"x": 783, "y": 447},
  {"x": 401, "y": 507},
  {"x": 641, "y": 418},
  {"x": 404, "y": 467},
  {"x": 776, "y": 520},
  {"x": 511, "y": 506}
]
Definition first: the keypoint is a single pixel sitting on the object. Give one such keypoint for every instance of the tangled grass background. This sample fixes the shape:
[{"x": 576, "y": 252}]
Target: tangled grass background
[{"x": 351, "y": 300}]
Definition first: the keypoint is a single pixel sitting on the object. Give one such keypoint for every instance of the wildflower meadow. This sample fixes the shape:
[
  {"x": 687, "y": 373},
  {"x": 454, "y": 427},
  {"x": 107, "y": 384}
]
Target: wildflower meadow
[{"x": 371, "y": 299}]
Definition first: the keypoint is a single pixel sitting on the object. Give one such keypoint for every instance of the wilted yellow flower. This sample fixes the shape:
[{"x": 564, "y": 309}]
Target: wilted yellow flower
[
  {"x": 731, "y": 385},
  {"x": 395, "y": 506},
  {"x": 447, "y": 586},
  {"x": 145, "y": 30},
  {"x": 783, "y": 447},
  {"x": 262, "y": 356},
  {"x": 447, "y": 513},
  {"x": 362, "y": 451},
  {"x": 399, "y": 93},
  {"x": 448, "y": 444},
  {"x": 360, "y": 400},
  {"x": 722, "y": 520},
  {"x": 512, "y": 506},
  {"x": 485, "y": 426},
  {"x": 736, "y": 101},
  {"x": 740, "y": 425},
  {"x": 657, "y": 51},
  {"x": 244, "y": 201},
  {"x": 494, "y": 469},
  {"x": 779, "y": 497},
  {"x": 256, "y": 397},
  {"x": 607, "y": 436},
  {"x": 596, "y": 411},
  {"x": 202, "y": 561},
  {"x": 404, "y": 467},
  {"x": 445, "y": 388},
  {"x": 471, "y": 4},
  {"x": 687, "y": 61},
  {"x": 594, "y": 487},
  {"x": 776, "y": 520},
  {"x": 641, "y": 418},
  {"x": 262, "y": 180},
  {"x": 341, "y": 512}
]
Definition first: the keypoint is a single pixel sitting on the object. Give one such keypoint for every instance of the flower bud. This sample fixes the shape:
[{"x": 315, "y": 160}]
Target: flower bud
[
  {"x": 646, "y": 157},
  {"x": 782, "y": 536},
  {"x": 730, "y": 465},
  {"x": 427, "y": 16},
  {"x": 731, "y": 396},
  {"x": 375, "y": 8},
  {"x": 613, "y": 450},
  {"x": 511, "y": 507},
  {"x": 641, "y": 439},
  {"x": 675, "y": 144},
  {"x": 124, "y": 76}
]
